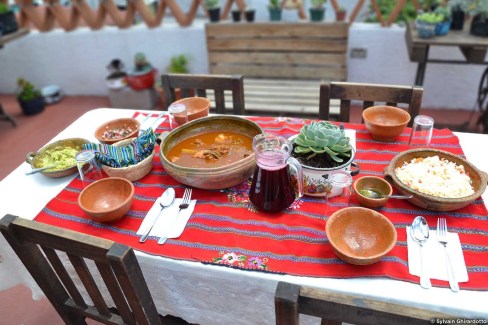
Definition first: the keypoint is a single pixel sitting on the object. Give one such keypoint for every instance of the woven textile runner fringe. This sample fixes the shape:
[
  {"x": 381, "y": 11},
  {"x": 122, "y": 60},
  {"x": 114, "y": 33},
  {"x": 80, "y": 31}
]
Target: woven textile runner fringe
[{"x": 224, "y": 230}]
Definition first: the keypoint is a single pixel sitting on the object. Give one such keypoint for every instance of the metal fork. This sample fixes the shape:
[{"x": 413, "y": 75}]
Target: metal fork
[
  {"x": 443, "y": 240},
  {"x": 184, "y": 205}
]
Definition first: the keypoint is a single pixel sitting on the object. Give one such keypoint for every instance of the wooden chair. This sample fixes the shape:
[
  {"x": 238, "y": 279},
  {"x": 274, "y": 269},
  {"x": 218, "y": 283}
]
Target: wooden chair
[
  {"x": 369, "y": 94},
  {"x": 36, "y": 245},
  {"x": 199, "y": 84},
  {"x": 334, "y": 308}
]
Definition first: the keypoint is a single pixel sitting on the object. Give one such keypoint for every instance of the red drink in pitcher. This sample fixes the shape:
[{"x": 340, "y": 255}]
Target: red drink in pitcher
[{"x": 272, "y": 189}]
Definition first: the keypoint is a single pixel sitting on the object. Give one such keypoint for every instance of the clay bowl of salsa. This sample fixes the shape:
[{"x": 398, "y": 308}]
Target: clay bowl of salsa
[
  {"x": 117, "y": 130},
  {"x": 385, "y": 123},
  {"x": 213, "y": 152}
]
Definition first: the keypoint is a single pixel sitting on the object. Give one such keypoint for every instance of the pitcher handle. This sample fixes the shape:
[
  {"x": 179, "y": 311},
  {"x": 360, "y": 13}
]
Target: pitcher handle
[{"x": 295, "y": 164}]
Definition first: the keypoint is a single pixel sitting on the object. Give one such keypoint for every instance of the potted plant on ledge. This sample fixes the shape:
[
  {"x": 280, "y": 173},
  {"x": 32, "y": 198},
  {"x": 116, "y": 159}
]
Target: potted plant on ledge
[
  {"x": 29, "y": 97},
  {"x": 443, "y": 27},
  {"x": 341, "y": 14},
  {"x": 426, "y": 24},
  {"x": 479, "y": 24},
  {"x": 274, "y": 8},
  {"x": 8, "y": 22},
  {"x": 317, "y": 10},
  {"x": 322, "y": 149},
  {"x": 213, "y": 9}
]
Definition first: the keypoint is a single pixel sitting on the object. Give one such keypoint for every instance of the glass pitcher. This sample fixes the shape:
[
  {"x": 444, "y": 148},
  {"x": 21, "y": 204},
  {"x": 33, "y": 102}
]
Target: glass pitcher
[{"x": 272, "y": 189}]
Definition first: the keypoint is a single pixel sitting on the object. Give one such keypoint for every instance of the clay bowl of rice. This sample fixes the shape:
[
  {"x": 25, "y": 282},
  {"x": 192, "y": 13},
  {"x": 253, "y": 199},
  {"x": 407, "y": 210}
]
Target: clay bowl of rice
[{"x": 438, "y": 180}]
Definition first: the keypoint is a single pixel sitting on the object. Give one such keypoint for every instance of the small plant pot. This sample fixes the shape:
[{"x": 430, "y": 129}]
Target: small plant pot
[
  {"x": 214, "y": 15},
  {"x": 317, "y": 14},
  {"x": 236, "y": 16},
  {"x": 442, "y": 29},
  {"x": 479, "y": 26},
  {"x": 457, "y": 20},
  {"x": 8, "y": 23},
  {"x": 142, "y": 81},
  {"x": 341, "y": 15},
  {"x": 250, "y": 15},
  {"x": 32, "y": 107},
  {"x": 274, "y": 14},
  {"x": 316, "y": 180},
  {"x": 425, "y": 30}
]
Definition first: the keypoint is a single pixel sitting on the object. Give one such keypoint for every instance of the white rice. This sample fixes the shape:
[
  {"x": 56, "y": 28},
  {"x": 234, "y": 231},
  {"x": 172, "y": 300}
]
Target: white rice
[{"x": 435, "y": 176}]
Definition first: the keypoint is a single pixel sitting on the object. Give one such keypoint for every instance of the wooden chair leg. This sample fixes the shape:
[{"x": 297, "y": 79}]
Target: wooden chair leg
[{"x": 286, "y": 304}]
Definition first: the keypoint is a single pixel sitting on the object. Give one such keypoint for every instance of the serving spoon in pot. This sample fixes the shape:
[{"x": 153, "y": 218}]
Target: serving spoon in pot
[
  {"x": 373, "y": 194},
  {"x": 37, "y": 170}
]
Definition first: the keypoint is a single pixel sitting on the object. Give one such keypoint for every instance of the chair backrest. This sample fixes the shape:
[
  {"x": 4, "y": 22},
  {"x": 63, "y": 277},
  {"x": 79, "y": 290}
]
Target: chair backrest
[
  {"x": 284, "y": 50},
  {"x": 292, "y": 300},
  {"x": 198, "y": 84},
  {"x": 370, "y": 95},
  {"x": 38, "y": 246}
]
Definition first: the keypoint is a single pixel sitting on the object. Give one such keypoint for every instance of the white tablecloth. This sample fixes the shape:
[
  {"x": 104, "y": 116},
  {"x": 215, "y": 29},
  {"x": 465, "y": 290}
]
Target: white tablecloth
[{"x": 208, "y": 294}]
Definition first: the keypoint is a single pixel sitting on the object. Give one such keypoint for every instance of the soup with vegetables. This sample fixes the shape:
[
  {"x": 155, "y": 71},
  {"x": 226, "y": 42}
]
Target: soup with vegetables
[{"x": 211, "y": 150}]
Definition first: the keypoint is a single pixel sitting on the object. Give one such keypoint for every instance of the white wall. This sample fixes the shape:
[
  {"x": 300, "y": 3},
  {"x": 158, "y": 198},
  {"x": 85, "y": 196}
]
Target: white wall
[{"x": 76, "y": 61}]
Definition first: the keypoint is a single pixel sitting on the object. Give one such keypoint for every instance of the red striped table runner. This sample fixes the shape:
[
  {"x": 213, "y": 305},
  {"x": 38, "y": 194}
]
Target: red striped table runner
[{"x": 223, "y": 229}]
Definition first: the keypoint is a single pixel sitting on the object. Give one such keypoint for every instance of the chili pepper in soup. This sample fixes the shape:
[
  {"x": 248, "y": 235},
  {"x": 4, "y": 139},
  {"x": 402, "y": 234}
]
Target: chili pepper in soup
[{"x": 211, "y": 150}]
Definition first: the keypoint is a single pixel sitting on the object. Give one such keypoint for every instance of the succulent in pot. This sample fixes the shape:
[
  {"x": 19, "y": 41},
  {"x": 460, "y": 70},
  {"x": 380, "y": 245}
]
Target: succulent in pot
[{"x": 323, "y": 149}]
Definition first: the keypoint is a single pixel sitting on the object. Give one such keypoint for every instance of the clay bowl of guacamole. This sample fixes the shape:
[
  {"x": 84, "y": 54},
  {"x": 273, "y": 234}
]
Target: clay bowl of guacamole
[{"x": 60, "y": 154}]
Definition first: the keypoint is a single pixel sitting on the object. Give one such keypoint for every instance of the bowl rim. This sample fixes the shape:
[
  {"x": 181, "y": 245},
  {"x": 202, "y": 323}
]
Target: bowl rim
[
  {"x": 194, "y": 111},
  {"x": 214, "y": 171},
  {"x": 354, "y": 185},
  {"x": 390, "y": 172},
  {"x": 106, "y": 179},
  {"x": 397, "y": 109},
  {"x": 103, "y": 125},
  {"x": 337, "y": 214}
]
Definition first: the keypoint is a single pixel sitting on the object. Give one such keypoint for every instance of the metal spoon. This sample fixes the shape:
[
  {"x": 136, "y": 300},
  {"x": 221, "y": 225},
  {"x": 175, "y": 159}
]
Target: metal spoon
[
  {"x": 167, "y": 200},
  {"x": 373, "y": 194},
  {"x": 420, "y": 233},
  {"x": 37, "y": 170}
]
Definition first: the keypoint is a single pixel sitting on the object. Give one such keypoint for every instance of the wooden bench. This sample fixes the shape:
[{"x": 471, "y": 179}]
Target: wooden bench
[{"x": 282, "y": 63}]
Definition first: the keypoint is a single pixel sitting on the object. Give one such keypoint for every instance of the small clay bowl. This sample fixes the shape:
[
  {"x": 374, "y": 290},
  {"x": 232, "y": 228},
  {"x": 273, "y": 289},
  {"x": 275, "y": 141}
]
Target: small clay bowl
[
  {"x": 378, "y": 185},
  {"x": 108, "y": 199},
  {"x": 121, "y": 123},
  {"x": 359, "y": 235},
  {"x": 196, "y": 107},
  {"x": 385, "y": 123}
]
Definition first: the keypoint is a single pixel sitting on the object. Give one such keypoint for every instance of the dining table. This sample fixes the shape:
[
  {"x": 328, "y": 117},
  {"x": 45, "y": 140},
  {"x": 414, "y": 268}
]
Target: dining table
[{"x": 206, "y": 292}]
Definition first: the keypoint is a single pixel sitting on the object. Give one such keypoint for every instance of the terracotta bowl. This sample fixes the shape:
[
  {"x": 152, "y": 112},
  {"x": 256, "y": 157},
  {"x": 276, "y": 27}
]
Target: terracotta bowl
[
  {"x": 35, "y": 159},
  {"x": 121, "y": 123},
  {"x": 196, "y": 107},
  {"x": 385, "y": 123},
  {"x": 377, "y": 184},
  {"x": 360, "y": 236},
  {"x": 210, "y": 178},
  {"x": 108, "y": 199},
  {"x": 479, "y": 180}
]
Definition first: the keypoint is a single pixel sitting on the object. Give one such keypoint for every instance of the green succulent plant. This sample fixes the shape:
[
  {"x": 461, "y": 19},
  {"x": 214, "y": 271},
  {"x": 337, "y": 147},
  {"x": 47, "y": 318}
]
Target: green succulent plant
[
  {"x": 178, "y": 64},
  {"x": 317, "y": 3},
  {"x": 3, "y": 8},
  {"x": 323, "y": 137},
  {"x": 274, "y": 4},
  {"x": 430, "y": 18},
  {"x": 211, "y": 4},
  {"x": 27, "y": 90}
]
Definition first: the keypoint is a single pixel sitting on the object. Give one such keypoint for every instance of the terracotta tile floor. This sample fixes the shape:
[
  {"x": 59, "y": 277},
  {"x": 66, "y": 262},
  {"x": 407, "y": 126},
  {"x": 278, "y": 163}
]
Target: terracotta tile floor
[{"x": 32, "y": 132}]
